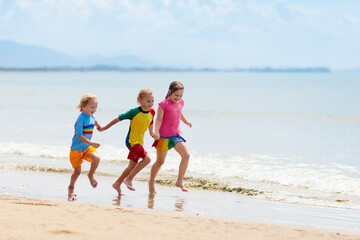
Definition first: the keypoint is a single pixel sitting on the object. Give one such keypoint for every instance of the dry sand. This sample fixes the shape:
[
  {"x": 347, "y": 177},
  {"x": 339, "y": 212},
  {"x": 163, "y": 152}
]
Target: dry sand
[{"x": 27, "y": 218}]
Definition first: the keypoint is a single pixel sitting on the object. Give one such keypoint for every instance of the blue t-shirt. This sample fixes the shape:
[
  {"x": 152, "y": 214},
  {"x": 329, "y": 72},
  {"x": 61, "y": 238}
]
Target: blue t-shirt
[{"x": 84, "y": 125}]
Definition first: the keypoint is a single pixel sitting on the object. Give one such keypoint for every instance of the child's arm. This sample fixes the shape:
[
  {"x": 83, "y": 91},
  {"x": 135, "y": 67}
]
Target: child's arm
[
  {"x": 160, "y": 115},
  {"x": 116, "y": 120},
  {"x": 151, "y": 126},
  {"x": 85, "y": 140},
  {"x": 185, "y": 121},
  {"x": 97, "y": 125}
]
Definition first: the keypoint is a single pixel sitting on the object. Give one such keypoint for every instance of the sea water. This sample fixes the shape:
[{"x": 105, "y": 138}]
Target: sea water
[{"x": 292, "y": 138}]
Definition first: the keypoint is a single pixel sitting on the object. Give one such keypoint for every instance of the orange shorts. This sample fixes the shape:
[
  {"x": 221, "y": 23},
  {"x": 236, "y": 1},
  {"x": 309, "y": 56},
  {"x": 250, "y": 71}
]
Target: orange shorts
[{"x": 76, "y": 157}]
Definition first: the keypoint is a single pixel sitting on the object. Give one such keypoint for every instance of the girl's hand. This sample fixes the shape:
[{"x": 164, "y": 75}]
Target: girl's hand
[
  {"x": 189, "y": 124},
  {"x": 156, "y": 136},
  {"x": 100, "y": 129},
  {"x": 152, "y": 135}
]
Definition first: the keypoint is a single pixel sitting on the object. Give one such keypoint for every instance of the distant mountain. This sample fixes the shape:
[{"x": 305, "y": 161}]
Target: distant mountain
[{"x": 16, "y": 55}]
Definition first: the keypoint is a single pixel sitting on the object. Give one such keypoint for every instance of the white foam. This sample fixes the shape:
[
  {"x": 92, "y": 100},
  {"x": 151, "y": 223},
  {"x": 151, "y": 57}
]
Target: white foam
[{"x": 281, "y": 178}]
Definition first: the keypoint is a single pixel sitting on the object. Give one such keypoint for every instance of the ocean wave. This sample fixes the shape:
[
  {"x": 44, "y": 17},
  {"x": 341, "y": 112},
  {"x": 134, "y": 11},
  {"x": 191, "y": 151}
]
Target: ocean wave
[
  {"x": 275, "y": 115},
  {"x": 34, "y": 150},
  {"x": 107, "y": 153},
  {"x": 36, "y": 168},
  {"x": 291, "y": 179}
]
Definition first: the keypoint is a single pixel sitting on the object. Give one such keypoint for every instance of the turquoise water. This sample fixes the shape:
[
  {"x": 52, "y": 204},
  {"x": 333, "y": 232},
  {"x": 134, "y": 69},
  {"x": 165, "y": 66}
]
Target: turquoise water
[{"x": 295, "y": 137}]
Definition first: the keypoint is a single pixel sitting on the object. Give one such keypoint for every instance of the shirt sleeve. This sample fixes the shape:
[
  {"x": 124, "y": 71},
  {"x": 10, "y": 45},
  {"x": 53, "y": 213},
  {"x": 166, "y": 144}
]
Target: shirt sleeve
[
  {"x": 163, "y": 105},
  {"x": 79, "y": 127},
  {"x": 129, "y": 114},
  {"x": 152, "y": 111}
]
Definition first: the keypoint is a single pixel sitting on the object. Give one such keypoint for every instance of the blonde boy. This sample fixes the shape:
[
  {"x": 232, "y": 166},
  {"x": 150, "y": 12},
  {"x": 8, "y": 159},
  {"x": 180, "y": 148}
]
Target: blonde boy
[{"x": 82, "y": 148}]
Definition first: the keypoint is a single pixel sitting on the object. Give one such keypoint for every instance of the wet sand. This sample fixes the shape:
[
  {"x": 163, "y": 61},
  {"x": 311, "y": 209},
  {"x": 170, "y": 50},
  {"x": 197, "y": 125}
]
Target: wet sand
[
  {"x": 27, "y": 218},
  {"x": 217, "y": 214}
]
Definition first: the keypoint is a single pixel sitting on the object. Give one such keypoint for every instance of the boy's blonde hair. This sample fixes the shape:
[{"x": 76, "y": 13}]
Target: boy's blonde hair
[
  {"x": 143, "y": 92},
  {"x": 85, "y": 99}
]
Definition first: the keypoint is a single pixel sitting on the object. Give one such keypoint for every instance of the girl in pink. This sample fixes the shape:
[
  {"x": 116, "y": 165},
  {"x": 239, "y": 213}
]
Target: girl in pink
[{"x": 167, "y": 134}]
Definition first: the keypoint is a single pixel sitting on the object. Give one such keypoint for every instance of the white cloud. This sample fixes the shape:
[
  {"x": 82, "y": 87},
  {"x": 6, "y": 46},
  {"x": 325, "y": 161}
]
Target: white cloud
[
  {"x": 180, "y": 4},
  {"x": 24, "y": 4},
  {"x": 305, "y": 15},
  {"x": 353, "y": 21},
  {"x": 103, "y": 4},
  {"x": 7, "y": 16},
  {"x": 265, "y": 11},
  {"x": 167, "y": 3},
  {"x": 146, "y": 27}
]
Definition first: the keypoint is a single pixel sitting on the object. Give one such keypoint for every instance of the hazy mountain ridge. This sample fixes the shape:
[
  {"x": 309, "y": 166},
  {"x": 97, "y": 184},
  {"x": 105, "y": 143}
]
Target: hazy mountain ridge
[{"x": 16, "y": 55}]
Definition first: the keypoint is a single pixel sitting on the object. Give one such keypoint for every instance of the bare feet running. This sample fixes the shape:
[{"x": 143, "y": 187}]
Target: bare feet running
[
  {"x": 181, "y": 185},
  {"x": 116, "y": 186},
  {"x": 71, "y": 194},
  {"x": 152, "y": 190},
  {"x": 93, "y": 182},
  {"x": 128, "y": 183}
]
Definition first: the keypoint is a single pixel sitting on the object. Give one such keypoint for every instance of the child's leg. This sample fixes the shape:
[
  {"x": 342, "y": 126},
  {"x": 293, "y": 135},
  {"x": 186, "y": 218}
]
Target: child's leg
[
  {"x": 74, "y": 177},
  {"x": 182, "y": 149},
  {"x": 160, "y": 159},
  {"x": 124, "y": 174},
  {"x": 94, "y": 164},
  {"x": 143, "y": 163}
]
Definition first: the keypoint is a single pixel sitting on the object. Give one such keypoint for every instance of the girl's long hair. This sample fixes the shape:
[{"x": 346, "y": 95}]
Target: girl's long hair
[{"x": 174, "y": 86}]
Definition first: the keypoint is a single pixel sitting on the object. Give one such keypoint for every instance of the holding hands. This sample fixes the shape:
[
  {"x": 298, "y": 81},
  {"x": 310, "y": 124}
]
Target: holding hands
[{"x": 156, "y": 135}]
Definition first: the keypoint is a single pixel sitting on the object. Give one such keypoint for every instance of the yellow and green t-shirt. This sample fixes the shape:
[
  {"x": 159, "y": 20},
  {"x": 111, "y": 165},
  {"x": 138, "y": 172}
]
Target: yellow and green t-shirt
[{"x": 139, "y": 123}]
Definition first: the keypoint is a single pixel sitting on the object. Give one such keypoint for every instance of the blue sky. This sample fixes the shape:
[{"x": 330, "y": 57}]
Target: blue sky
[{"x": 213, "y": 33}]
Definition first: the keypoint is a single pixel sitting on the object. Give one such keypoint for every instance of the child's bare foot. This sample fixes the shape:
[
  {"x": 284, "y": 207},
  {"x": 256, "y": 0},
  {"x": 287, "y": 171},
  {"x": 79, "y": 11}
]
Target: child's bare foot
[
  {"x": 71, "y": 194},
  {"x": 116, "y": 186},
  {"x": 152, "y": 190},
  {"x": 181, "y": 185},
  {"x": 128, "y": 183},
  {"x": 93, "y": 182}
]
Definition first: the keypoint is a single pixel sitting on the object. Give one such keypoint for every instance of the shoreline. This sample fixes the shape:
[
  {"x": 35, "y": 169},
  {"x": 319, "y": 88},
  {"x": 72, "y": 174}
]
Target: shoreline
[
  {"x": 50, "y": 219},
  {"x": 230, "y": 206}
]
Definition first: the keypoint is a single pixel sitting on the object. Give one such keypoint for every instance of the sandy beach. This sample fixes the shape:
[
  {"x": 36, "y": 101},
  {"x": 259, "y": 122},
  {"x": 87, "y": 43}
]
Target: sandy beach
[
  {"x": 29, "y": 218},
  {"x": 33, "y": 210}
]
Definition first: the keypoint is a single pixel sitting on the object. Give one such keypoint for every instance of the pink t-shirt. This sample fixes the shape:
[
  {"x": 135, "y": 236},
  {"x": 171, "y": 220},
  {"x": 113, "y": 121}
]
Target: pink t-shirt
[{"x": 170, "y": 125}]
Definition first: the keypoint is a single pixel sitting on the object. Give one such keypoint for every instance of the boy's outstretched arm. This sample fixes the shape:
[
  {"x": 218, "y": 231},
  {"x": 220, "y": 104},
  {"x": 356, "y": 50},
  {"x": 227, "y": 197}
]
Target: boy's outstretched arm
[
  {"x": 116, "y": 120},
  {"x": 185, "y": 121}
]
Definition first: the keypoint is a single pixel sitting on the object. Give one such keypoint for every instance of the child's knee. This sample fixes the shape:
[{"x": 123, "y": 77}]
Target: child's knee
[
  {"x": 77, "y": 171},
  {"x": 161, "y": 162},
  {"x": 147, "y": 159},
  {"x": 95, "y": 159},
  {"x": 186, "y": 155}
]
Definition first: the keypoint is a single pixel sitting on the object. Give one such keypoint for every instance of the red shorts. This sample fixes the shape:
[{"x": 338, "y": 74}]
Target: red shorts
[{"x": 136, "y": 152}]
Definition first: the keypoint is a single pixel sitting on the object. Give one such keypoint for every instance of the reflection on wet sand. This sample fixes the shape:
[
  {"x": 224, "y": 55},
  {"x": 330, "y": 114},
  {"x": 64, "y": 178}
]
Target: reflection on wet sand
[
  {"x": 151, "y": 201},
  {"x": 117, "y": 201},
  {"x": 179, "y": 202}
]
